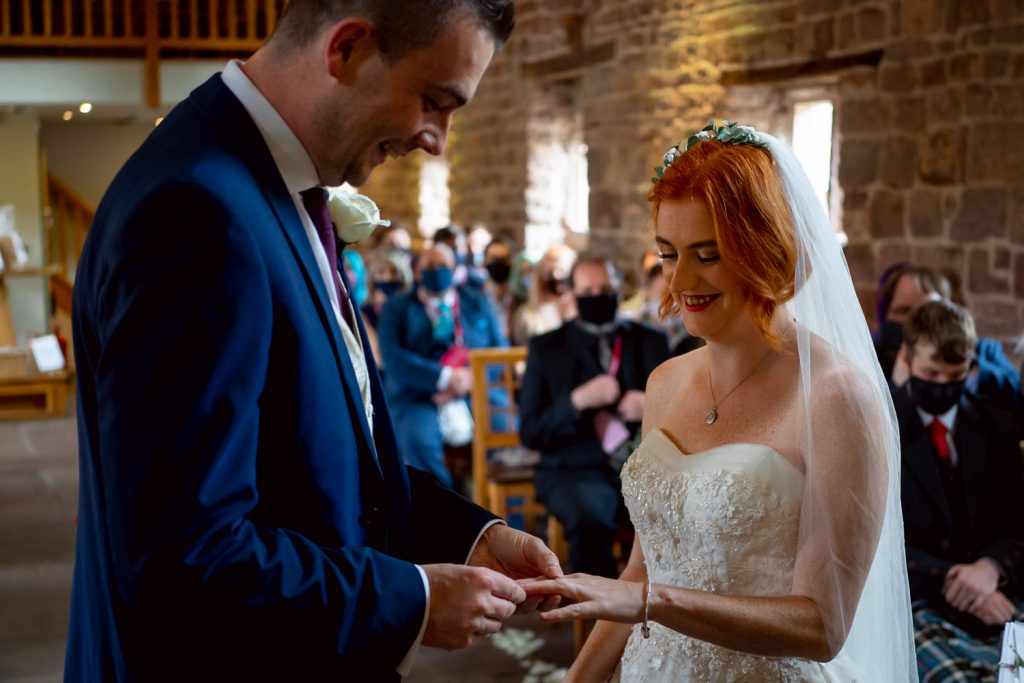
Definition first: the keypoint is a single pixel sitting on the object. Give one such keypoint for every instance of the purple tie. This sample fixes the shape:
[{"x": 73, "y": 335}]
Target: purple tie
[{"x": 315, "y": 201}]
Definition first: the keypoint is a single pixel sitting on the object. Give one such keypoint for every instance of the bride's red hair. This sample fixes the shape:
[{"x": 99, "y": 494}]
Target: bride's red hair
[{"x": 752, "y": 221}]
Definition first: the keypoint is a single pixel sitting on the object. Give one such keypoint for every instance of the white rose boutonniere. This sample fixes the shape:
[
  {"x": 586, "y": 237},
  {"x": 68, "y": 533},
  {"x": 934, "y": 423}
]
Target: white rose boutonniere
[{"x": 355, "y": 216}]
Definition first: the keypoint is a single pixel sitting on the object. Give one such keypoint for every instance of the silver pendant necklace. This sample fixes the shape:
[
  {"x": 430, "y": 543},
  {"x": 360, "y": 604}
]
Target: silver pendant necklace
[{"x": 712, "y": 415}]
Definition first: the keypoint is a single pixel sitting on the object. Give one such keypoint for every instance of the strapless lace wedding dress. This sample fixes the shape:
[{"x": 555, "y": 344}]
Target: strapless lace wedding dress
[{"x": 723, "y": 520}]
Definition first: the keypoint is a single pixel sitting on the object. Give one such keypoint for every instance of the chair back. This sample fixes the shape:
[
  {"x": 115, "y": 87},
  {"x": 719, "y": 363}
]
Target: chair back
[{"x": 496, "y": 378}]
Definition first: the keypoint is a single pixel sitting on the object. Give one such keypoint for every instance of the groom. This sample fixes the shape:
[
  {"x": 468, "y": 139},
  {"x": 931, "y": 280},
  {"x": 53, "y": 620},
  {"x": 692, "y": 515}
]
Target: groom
[{"x": 244, "y": 512}]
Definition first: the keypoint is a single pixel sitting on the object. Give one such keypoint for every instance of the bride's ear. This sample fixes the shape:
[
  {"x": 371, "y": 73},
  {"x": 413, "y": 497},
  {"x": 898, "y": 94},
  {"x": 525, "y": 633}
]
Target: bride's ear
[{"x": 349, "y": 43}]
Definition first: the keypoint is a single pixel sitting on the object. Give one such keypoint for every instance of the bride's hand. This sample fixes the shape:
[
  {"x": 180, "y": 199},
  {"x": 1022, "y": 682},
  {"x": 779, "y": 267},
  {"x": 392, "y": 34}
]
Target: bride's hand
[{"x": 591, "y": 597}]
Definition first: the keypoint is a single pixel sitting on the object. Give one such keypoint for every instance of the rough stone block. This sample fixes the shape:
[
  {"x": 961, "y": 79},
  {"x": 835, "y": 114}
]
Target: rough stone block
[
  {"x": 995, "y": 64},
  {"x": 964, "y": 14},
  {"x": 861, "y": 259},
  {"x": 981, "y": 278},
  {"x": 872, "y": 23},
  {"x": 925, "y": 213},
  {"x": 1009, "y": 35},
  {"x": 900, "y": 78},
  {"x": 861, "y": 116},
  {"x": 893, "y": 252},
  {"x": 909, "y": 50},
  {"x": 944, "y": 106},
  {"x": 995, "y": 151},
  {"x": 887, "y": 214},
  {"x": 964, "y": 67},
  {"x": 1000, "y": 258},
  {"x": 909, "y": 113},
  {"x": 1018, "y": 276},
  {"x": 898, "y": 163},
  {"x": 858, "y": 162},
  {"x": 919, "y": 17},
  {"x": 982, "y": 215},
  {"x": 942, "y": 257},
  {"x": 996, "y": 317},
  {"x": 938, "y": 156},
  {"x": 933, "y": 73}
]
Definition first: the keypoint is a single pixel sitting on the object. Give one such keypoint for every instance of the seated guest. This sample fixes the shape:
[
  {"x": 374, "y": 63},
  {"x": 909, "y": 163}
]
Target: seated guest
[
  {"x": 652, "y": 292},
  {"x": 425, "y": 335},
  {"x": 550, "y": 303},
  {"x": 454, "y": 237},
  {"x": 961, "y": 490},
  {"x": 390, "y": 275},
  {"x": 580, "y": 405},
  {"x": 497, "y": 264},
  {"x": 902, "y": 288},
  {"x": 992, "y": 374}
]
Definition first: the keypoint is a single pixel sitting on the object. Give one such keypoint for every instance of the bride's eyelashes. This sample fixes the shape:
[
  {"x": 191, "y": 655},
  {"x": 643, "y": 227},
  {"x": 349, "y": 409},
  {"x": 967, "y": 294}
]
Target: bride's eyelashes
[
  {"x": 667, "y": 257},
  {"x": 711, "y": 258}
]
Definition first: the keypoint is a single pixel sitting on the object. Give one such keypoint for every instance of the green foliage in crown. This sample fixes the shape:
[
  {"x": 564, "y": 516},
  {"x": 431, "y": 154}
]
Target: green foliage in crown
[{"x": 728, "y": 132}]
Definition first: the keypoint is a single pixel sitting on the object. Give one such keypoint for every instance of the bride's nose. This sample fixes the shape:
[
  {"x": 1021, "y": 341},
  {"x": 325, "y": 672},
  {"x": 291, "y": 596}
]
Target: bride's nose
[{"x": 682, "y": 278}]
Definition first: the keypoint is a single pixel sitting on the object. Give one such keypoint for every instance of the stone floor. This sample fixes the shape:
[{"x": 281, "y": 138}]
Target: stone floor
[{"x": 38, "y": 499}]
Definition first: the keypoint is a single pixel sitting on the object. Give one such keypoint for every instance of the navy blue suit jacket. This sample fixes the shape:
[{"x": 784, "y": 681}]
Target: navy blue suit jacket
[{"x": 237, "y": 519}]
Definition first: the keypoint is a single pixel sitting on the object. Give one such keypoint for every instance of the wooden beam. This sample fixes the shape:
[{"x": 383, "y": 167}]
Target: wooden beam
[
  {"x": 794, "y": 70},
  {"x": 569, "y": 63}
]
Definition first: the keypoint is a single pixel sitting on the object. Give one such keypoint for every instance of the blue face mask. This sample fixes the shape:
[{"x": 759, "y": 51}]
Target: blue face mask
[
  {"x": 437, "y": 280},
  {"x": 388, "y": 287}
]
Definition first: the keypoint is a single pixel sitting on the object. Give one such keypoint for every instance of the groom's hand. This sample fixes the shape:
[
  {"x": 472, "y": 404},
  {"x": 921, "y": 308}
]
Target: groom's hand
[
  {"x": 517, "y": 555},
  {"x": 467, "y": 604}
]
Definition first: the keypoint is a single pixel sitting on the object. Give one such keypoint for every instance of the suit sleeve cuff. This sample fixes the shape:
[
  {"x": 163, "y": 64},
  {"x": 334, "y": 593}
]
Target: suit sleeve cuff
[
  {"x": 405, "y": 666},
  {"x": 444, "y": 378}
]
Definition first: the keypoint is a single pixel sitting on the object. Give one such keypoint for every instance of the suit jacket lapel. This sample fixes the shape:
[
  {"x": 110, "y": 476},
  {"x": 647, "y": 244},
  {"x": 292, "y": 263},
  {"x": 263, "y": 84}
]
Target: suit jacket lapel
[
  {"x": 918, "y": 455},
  {"x": 972, "y": 448},
  {"x": 218, "y": 101}
]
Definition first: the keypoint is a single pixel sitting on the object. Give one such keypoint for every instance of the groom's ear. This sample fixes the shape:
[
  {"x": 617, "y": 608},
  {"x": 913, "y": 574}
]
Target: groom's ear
[{"x": 349, "y": 43}]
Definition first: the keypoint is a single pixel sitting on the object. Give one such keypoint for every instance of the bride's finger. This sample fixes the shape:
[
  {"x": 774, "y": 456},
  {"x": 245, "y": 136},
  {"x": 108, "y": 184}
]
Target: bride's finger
[
  {"x": 550, "y": 602},
  {"x": 566, "y": 613}
]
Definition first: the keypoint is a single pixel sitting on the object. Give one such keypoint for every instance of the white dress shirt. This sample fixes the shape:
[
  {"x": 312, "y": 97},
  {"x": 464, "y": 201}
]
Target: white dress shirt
[
  {"x": 299, "y": 173},
  {"x": 948, "y": 418}
]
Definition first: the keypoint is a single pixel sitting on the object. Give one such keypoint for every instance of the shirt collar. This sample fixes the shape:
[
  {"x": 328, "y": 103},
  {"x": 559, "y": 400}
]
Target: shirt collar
[
  {"x": 292, "y": 159},
  {"x": 948, "y": 418}
]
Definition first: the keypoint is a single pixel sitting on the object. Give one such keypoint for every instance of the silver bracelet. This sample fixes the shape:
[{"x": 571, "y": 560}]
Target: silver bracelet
[{"x": 645, "y": 628}]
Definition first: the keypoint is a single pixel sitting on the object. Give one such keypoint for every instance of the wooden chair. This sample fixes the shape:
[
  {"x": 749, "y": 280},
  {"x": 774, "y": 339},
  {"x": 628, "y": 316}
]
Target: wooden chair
[{"x": 507, "y": 492}]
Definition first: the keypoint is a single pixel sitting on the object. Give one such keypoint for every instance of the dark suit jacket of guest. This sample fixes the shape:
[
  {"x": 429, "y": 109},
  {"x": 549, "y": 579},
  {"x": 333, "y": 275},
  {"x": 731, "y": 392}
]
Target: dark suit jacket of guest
[
  {"x": 237, "y": 519},
  {"x": 989, "y": 469},
  {"x": 558, "y": 362},
  {"x": 412, "y": 355}
]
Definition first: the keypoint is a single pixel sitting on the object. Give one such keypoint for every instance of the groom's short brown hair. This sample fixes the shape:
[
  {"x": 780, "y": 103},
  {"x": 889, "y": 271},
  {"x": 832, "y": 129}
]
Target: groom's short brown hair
[{"x": 399, "y": 25}]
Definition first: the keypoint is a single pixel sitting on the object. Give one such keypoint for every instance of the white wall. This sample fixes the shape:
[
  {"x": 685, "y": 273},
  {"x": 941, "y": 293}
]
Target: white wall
[
  {"x": 100, "y": 81},
  {"x": 87, "y": 155},
  {"x": 19, "y": 185}
]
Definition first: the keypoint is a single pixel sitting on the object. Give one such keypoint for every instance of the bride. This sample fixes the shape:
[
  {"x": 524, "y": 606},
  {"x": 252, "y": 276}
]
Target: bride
[{"x": 765, "y": 492}]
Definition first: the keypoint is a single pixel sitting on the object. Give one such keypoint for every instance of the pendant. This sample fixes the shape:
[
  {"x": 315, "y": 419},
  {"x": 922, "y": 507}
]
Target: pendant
[{"x": 710, "y": 418}]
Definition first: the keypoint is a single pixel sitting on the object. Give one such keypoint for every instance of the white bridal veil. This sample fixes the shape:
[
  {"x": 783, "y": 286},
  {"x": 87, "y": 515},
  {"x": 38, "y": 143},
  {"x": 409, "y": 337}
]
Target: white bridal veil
[{"x": 880, "y": 638}]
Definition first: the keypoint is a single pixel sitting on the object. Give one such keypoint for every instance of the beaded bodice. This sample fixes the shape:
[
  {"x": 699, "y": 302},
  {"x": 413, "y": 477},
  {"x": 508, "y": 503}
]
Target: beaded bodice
[{"x": 725, "y": 520}]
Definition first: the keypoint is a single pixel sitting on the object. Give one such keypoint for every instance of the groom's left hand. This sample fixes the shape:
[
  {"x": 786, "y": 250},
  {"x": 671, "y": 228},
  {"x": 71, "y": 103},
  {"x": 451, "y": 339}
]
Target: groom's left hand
[{"x": 517, "y": 555}]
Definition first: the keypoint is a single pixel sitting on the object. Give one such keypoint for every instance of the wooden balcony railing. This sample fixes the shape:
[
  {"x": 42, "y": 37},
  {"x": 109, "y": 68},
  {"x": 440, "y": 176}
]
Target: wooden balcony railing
[{"x": 152, "y": 29}]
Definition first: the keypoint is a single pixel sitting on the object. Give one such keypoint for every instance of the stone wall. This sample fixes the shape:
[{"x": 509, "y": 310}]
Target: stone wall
[{"x": 929, "y": 102}]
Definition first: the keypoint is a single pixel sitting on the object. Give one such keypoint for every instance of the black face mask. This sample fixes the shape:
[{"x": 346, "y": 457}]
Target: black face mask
[
  {"x": 499, "y": 271},
  {"x": 598, "y": 309},
  {"x": 890, "y": 336},
  {"x": 933, "y": 397}
]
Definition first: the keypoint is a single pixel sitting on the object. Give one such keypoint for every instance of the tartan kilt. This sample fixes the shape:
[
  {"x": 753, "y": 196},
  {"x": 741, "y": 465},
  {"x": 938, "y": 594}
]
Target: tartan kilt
[{"x": 947, "y": 653}]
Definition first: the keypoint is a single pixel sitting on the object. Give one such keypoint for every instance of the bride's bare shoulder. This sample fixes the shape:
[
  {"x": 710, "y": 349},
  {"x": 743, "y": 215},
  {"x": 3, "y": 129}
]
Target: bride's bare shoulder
[{"x": 665, "y": 382}]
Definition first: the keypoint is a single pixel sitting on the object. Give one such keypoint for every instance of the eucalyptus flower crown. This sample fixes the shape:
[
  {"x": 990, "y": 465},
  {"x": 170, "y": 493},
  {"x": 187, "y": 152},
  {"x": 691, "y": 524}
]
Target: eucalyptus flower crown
[{"x": 727, "y": 132}]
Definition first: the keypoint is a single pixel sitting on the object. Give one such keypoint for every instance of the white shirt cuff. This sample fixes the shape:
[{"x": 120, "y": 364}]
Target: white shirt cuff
[
  {"x": 480, "y": 535},
  {"x": 405, "y": 666},
  {"x": 444, "y": 378}
]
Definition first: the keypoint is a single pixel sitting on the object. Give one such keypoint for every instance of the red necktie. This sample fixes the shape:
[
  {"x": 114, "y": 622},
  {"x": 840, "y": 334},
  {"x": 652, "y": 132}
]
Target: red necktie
[
  {"x": 938, "y": 432},
  {"x": 315, "y": 201}
]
